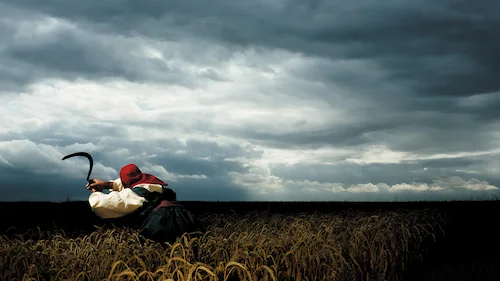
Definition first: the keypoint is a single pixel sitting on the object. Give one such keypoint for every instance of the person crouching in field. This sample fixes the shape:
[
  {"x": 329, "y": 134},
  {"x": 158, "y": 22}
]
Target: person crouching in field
[{"x": 141, "y": 200}]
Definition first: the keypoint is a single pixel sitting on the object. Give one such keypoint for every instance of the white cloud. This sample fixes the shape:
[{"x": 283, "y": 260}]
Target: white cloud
[
  {"x": 379, "y": 154},
  {"x": 382, "y": 154},
  {"x": 369, "y": 187},
  {"x": 47, "y": 160},
  {"x": 417, "y": 187},
  {"x": 5, "y": 162},
  {"x": 453, "y": 184},
  {"x": 457, "y": 184},
  {"x": 258, "y": 179},
  {"x": 163, "y": 174},
  {"x": 308, "y": 185}
]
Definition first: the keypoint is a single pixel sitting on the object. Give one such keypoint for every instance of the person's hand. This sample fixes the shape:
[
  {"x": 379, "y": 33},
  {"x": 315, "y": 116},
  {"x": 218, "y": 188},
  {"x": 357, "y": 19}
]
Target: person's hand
[{"x": 96, "y": 185}]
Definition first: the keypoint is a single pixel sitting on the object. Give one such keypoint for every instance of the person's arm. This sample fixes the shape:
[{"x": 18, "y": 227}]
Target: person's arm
[
  {"x": 115, "y": 204},
  {"x": 99, "y": 185}
]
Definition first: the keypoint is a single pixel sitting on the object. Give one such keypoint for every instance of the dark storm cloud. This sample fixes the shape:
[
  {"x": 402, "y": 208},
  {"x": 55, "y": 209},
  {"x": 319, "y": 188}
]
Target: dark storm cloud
[
  {"x": 35, "y": 47},
  {"x": 430, "y": 49},
  {"x": 436, "y": 49},
  {"x": 22, "y": 185},
  {"x": 36, "y": 174},
  {"x": 66, "y": 54},
  {"x": 57, "y": 134},
  {"x": 194, "y": 157},
  {"x": 205, "y": 158},
  {"x": 415, "y": 77},
  {"x": 420, "y": 132},
  {"x": 70, "y": 54},
  {"x": 421, "y": 171},
  {"x": 349, "y": 173}
]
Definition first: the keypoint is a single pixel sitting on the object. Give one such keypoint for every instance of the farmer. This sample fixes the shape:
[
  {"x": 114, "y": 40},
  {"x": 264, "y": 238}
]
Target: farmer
[{"x": 142, "y": 200}]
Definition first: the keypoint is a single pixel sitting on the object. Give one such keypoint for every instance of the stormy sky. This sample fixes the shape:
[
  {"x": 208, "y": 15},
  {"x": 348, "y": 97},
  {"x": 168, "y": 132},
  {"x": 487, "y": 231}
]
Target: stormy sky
[{"x": 252, "y": 100}]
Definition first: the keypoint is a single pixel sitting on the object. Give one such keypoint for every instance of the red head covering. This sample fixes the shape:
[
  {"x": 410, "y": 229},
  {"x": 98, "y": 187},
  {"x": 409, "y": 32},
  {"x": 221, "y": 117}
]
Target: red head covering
[{"x": 131, "y": 176}]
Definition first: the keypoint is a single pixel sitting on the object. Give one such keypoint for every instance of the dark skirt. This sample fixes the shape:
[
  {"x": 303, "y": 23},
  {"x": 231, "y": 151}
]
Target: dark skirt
[{"x": 169, "y": 221}]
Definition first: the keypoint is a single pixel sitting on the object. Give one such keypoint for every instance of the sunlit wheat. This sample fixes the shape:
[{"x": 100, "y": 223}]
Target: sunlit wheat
[{"x": 257, "y": 246}]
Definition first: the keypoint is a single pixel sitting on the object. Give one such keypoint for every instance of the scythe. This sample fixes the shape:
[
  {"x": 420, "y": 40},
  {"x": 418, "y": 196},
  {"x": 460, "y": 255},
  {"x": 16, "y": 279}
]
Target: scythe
[{"x": 84, "y": 154}]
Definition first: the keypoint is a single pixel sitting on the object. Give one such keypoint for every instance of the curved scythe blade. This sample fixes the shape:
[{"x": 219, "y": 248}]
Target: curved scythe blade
[{"x": 84, "y": 154}]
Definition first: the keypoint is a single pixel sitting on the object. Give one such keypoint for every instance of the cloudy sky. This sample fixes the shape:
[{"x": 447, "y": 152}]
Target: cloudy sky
[{"x": 252, "y": 100}]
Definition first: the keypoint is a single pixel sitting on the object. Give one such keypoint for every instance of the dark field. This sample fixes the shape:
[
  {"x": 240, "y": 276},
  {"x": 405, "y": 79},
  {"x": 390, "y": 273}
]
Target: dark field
[{"x": 259, "y": 241}]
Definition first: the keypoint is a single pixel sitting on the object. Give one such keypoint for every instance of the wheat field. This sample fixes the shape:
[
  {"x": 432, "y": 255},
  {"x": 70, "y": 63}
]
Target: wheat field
[{"x": 348, "y": 245}]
